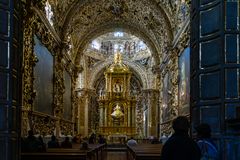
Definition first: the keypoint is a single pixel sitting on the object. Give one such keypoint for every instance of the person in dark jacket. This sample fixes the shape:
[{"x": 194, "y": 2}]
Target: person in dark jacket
[
  {"x": 31, "y": 143},
  {"x": 53, "y": 143},
  {"x": 101, "y": 139},
  {"x": 180, "y": 145}
]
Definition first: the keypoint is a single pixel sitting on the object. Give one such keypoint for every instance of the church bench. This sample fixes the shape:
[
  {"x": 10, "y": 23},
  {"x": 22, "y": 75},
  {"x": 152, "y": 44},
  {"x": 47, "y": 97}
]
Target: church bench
[
  {"x": 54, "y": 156},
  {"x": 144, "y": 152},
  {"x": 95, "y": 152}
]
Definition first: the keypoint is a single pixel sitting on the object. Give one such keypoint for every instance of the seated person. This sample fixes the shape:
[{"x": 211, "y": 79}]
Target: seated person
[
  {"x": 77, "y": 139},
  {"x": 41, "y": 144},
  {"x": 53, "y": 143},
  {"x": 31, "y": 143},
  {"x": 84, "y": 145},
  {"x": 101, "y": 139},
  {"x": 92, "y": 138},
  {"x": 132, "y": 142},
  {"x": 155, "y": 140},
  {"x": 66, "y": 143}
]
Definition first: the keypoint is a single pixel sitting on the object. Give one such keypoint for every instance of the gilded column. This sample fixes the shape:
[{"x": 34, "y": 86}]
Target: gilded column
[
  {"x": 101, "y": 115},
  {"x": 105, "y": 116},
  {"x": 28, "y": 77},
  {"x": 59, "y": 90},
  {"x": 129, "y": 116},
  {"x": 133, "y": 116}
]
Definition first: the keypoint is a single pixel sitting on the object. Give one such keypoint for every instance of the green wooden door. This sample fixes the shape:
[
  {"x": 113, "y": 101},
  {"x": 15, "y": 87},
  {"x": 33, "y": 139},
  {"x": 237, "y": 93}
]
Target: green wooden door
[
  {"x": 215, "y": 71},
  {"x": 10, "y": 78}
]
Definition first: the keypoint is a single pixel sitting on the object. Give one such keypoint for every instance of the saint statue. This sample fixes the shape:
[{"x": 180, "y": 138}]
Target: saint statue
[
  {"x": 117, "y": 113},
  {"x": 117, "y": 86},
  {"x": 117, "y": 57}
]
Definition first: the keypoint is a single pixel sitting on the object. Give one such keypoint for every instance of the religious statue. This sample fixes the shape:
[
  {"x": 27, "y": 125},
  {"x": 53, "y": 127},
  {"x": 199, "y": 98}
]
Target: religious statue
[
  {"x": 117, "y": 113},
  {"x": 117, "y": 86},
  {"x": 117, "y": 58}
]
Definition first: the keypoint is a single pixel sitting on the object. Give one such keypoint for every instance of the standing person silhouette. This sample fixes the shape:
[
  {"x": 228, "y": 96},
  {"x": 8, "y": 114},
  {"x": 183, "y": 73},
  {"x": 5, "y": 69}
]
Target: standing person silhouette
[
  {"x": 207, "y": 146},
  {"x": 180, "y": 146}
]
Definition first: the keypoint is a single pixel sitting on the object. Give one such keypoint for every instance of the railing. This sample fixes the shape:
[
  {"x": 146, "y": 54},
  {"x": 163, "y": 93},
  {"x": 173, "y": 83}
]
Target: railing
[{"x": 118, "y": 130}]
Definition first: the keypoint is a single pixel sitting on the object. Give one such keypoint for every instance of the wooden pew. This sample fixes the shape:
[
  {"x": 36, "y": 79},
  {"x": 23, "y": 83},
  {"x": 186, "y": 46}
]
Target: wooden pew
[
  {"x": 99, "y": 150},
  {"x": 144, "y": 152},
  {"x": 54, "y": 156},
  {"x": 95, "y": 152},
  {"x": 89, "y": 154}
]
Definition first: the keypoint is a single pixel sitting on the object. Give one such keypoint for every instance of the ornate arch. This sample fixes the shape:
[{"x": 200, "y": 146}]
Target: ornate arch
[
  {"x": 110, "y": 27},
  {"x": 84, "y": 19}
]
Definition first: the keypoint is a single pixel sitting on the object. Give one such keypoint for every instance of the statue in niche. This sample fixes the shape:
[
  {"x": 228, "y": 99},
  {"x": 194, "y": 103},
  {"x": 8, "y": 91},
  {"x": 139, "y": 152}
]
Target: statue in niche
[
  {"x": 101, "y": 92},
  {"x": 117, "y": 113},
  {"x": 118, "y": 57},
  {"x": 117, "y": 86}
]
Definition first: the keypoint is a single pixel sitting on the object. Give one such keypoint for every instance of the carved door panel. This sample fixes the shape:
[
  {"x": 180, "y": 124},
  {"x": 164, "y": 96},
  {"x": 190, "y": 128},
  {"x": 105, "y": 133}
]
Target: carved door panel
[
  {"x": 215, "y": 71},
  {"x": 10, "y": 78}
]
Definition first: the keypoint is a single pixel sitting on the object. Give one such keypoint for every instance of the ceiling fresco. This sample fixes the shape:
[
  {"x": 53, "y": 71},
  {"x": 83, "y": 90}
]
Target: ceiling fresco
[{"x": 84, "y": 20}]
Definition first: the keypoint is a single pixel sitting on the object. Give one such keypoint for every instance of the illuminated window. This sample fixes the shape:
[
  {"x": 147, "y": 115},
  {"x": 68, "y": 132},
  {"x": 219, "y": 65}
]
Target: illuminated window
[
  {"x": 142, "y": 46},
  {"x": 118, "y": 34},
  {"x": 96, "y": 44},
  {"x": 49, "y": 12}
]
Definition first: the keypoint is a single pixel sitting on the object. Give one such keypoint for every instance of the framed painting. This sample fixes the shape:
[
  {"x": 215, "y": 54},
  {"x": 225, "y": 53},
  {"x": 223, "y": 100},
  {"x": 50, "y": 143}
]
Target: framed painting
[
  {"x": 184, "y": 82},
  {"x": 165, "y": 107},
  {"x": 43, "y": 73}
]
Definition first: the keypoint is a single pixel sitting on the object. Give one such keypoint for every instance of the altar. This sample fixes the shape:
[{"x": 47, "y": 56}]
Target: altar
[
  {"x": 117, "y": 138},
  {"x": 117, "y": 107}
]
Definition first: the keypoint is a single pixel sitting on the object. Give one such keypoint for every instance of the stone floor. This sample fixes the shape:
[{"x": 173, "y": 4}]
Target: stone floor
[{"x": 116, "y": 155}]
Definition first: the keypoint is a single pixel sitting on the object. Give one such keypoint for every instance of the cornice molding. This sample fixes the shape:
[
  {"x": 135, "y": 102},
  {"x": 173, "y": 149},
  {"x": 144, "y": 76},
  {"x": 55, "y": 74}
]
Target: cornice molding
[
  {"x": 48, "y": 25},
  {"x": 181, "y": 32}
]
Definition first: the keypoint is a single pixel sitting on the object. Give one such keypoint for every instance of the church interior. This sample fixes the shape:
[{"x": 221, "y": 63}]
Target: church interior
[{"x": 118, "y": 68}]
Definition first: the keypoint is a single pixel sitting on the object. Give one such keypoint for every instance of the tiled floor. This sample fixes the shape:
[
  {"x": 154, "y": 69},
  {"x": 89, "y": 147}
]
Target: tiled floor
[{"x": 116, "y": 156}]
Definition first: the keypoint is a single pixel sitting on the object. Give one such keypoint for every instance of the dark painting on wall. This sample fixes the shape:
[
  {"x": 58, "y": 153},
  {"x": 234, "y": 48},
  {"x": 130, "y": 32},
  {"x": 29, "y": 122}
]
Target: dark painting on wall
[
  {"x": 67, "y": 103},
  {"x": 165, "y": 107},
  {"x": 184, "y": 82},
  {"x": 43, "y": 83}
]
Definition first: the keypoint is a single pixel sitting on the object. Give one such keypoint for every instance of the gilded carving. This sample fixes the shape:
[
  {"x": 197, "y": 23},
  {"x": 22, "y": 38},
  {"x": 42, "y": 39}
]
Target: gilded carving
[
  {"x": 59, "y": 87},
  {"x": 43, "y": 124},
  {"x": 34, "y": 25},
  {"x": 157, "y": 21},
  {"x": 66, "y": 127},
  {"x": 28, "y": 64}
]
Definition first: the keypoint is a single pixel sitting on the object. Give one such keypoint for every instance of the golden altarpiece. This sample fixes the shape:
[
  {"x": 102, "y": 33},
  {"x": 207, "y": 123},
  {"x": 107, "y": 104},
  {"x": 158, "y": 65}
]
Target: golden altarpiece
[{"x": 117, "y": 106}]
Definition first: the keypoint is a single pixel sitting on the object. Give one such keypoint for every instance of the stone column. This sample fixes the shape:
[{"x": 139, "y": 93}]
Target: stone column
[{"x": 152, "y": 104}]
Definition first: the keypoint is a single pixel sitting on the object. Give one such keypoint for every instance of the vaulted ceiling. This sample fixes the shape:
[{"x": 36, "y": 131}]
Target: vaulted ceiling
[{"x": 83, "y": 20}]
